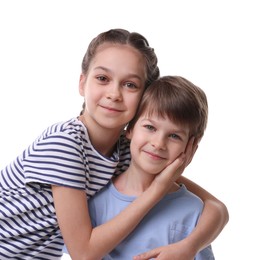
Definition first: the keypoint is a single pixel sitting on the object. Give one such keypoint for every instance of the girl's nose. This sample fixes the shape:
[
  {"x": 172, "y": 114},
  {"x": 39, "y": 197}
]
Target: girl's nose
[{"x": 114, "y": 93}]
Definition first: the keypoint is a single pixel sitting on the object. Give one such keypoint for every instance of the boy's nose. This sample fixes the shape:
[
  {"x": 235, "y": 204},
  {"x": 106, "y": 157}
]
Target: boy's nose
[{"x": 158, "y": 142}]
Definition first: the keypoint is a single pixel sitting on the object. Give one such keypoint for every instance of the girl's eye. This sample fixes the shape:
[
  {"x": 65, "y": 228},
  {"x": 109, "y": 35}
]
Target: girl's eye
[
  {"x": 102, "y": 78},
  {"x": 130, "y": 85}
]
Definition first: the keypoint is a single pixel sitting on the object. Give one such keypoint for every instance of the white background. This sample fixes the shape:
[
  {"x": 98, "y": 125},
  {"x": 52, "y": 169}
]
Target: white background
[{"x": 210, "y": 43}]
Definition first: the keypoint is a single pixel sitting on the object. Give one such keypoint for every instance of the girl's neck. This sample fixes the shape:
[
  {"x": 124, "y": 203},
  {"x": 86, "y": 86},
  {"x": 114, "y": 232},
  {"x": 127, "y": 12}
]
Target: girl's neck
[{"x": 103, "y": 140}]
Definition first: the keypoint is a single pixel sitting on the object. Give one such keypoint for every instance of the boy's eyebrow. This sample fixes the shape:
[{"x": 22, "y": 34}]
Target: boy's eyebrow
[
  {"x": 133, "y": 75},
  {"x": 179, "y": 131},
  {"x": 175, "y": 130}
]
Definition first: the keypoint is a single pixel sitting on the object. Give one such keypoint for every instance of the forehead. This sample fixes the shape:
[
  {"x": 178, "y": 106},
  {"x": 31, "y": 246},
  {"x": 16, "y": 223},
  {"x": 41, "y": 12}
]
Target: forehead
[
  {"x": 117, "y": 47},
  {"x": 121, "y": 56},
  {"x": 166, "y": 120}
]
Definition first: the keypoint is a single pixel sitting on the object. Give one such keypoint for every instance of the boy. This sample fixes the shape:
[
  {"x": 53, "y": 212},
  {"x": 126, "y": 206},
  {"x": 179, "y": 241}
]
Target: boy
[{"x": 172, "y": 111}]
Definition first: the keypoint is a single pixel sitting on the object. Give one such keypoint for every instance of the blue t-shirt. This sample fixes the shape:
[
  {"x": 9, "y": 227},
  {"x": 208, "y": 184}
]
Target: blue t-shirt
[{"x": 170, "y": 221}]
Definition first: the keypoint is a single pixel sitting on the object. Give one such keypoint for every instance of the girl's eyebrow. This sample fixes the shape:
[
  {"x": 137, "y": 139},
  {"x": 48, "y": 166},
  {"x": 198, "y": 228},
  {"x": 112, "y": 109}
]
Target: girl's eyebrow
[
  {"x": 102, "y": 68},
  {"x": 132, "y": 75}
]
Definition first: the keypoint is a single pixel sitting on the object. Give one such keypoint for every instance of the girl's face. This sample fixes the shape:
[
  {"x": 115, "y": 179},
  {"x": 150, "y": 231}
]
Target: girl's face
[
  {"x": 113, "y": 86},
  {"x": 156, "y": 142}
]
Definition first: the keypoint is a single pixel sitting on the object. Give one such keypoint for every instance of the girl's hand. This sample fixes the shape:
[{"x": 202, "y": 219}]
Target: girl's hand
[
  {"x": 172, "y": 172},
  {"x": 176, "y": 251}
]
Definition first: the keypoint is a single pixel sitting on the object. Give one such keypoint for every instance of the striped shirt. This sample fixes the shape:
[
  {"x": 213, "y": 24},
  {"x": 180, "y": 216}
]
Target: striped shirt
[{"x": 61, "y": 155}]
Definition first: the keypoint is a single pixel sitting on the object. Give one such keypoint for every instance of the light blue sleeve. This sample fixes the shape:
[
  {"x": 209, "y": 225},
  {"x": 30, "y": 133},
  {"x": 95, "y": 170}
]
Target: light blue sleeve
[{"x": 205, "y": 254}]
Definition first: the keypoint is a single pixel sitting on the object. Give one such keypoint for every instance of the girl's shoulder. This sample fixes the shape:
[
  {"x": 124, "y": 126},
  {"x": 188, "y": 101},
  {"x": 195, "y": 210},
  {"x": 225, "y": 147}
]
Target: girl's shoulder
[
  {"x": 72, "y": 125},
  {"x": 62, "y": 136},
  {"x": 72, "y": 128}
]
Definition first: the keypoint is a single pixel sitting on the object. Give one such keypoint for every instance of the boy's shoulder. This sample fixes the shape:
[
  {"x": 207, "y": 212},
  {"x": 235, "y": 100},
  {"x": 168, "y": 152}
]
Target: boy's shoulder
[{"x": 188, "y": 198}]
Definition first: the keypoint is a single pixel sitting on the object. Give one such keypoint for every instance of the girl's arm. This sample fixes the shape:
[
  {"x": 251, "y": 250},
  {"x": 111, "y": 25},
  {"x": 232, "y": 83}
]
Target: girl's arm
[
  {"x": 85, "y": 242},
  {"x": 213, "y": 219},
  {"x": 215, "y": 213}
]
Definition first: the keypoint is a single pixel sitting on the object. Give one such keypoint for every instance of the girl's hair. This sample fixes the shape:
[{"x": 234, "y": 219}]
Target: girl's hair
[
  {"x": 121, "y": 36},
  {"x": 179, "y": 100}
]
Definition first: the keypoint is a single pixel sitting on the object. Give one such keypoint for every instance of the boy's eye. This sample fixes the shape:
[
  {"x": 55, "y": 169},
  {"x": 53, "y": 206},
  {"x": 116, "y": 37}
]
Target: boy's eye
[
  {"x": 150, "y": 127},
  {"x": 174, "y": 136}
]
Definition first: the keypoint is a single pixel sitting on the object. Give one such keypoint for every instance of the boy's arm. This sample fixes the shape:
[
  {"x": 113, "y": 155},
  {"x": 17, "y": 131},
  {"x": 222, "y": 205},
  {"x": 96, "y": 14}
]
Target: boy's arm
[{"x": 213, "y": 219}]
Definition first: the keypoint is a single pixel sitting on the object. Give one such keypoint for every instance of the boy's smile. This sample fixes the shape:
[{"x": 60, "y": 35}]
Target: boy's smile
[{"x": 156, "y": 142}]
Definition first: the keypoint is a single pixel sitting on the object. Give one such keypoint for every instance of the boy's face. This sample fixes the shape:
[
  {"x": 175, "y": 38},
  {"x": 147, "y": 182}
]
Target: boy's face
[{"x": 156, "y": 142}]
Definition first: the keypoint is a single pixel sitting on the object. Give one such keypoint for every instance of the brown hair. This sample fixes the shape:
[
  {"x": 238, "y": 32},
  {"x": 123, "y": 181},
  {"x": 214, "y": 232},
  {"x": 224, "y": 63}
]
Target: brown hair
[
  {"x": 178, "y": 99},
  {"x": 121, "y": 36}
]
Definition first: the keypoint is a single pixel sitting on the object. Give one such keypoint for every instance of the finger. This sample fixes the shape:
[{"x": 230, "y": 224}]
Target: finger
[
  {"x": 147, "y": 255},
  {"x": 190, "y": 145},
  {"x": 170, "y": 174},
  {"x": 176, "y": 166},
  {"x": 175, "y": 169},
  {"x": 190, "y": 150}
]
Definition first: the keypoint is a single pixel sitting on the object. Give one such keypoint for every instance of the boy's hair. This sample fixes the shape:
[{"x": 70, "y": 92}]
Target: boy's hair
[
  {"x": 124, "y": 37},
  {"x": 179, "y": 100}
]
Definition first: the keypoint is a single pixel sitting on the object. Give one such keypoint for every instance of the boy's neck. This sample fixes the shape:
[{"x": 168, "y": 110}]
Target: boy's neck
[
  {"x": 134, "y": 183},
  {"x": 131, "y": 184}
]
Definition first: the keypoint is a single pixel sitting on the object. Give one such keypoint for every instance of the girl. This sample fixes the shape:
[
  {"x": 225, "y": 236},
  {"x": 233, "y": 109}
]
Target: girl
[{"x": 44, "y": 191}]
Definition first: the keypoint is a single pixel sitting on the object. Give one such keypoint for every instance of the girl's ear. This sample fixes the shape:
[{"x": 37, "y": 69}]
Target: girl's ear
[{"x": 82, "y": 84}]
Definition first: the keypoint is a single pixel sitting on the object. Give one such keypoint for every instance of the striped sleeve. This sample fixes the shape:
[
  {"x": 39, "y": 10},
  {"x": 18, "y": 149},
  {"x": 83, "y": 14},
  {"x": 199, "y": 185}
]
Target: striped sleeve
[{"x": 56, "y": 159}]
